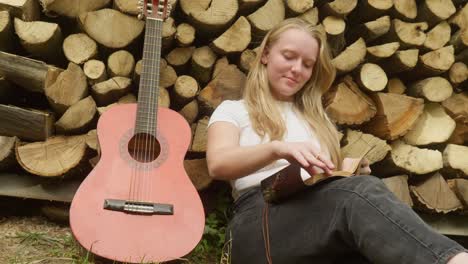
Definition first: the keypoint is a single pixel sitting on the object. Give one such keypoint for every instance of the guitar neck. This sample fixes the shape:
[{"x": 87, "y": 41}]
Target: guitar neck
[{"x": 146, "y": 120}]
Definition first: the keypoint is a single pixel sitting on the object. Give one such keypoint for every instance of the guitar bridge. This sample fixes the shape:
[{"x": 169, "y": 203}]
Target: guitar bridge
[{"x": 136, "y": 207}]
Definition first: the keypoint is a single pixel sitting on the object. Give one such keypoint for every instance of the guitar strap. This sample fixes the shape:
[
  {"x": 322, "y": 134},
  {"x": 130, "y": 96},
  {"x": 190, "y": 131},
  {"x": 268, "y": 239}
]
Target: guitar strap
[{"x": 266, "y": 232}]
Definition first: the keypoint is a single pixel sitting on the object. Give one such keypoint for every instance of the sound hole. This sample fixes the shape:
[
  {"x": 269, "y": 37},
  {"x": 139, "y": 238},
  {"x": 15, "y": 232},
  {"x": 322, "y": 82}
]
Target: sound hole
[{"x": 144, "y": 147}]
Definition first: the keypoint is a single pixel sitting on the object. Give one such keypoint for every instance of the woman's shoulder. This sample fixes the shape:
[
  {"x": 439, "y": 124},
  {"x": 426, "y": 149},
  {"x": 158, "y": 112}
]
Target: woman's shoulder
[{"x": 232, "y": 104}]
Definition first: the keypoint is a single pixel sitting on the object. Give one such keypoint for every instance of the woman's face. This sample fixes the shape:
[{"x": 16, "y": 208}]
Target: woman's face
[{"x": 290, "y": 62}]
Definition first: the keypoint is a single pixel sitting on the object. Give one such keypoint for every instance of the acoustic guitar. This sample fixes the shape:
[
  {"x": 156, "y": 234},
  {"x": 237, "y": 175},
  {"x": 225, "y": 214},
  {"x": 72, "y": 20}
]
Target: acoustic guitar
[{"x": 138, "y": 205}]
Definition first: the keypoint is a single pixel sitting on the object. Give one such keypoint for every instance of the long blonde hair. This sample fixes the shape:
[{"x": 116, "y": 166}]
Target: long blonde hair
[{"x": 265, "y": 113}]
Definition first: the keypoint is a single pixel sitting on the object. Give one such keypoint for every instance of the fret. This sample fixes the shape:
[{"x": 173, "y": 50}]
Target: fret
[{"x": 149, "y": 79}]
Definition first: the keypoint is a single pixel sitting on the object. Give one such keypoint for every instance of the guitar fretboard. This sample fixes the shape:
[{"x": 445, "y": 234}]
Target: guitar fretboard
[{"x": 146, "y": 120}]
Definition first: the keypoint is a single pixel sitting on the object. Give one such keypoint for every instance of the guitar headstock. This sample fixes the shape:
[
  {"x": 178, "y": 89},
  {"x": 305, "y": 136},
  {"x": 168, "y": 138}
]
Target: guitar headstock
[{"x": 156, "y": 9}]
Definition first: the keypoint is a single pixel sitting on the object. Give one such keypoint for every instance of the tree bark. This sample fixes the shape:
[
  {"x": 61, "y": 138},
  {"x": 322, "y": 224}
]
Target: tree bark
[{"x": 27, "y": 10}]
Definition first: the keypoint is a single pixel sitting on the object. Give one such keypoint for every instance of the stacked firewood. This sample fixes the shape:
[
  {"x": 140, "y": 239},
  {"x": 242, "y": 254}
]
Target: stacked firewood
[{"x": 401, "y": 89}]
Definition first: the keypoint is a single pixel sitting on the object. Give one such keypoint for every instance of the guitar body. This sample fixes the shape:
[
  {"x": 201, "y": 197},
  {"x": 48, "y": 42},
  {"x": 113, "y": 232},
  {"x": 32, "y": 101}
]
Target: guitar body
[{"x": 133, "y": 237}]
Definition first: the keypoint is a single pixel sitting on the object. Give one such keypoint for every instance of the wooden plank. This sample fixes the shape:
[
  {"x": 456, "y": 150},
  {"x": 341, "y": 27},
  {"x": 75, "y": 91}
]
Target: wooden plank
[
  {"x": 33, "y": 187},
  {"x": 28, "y": 124},
  {"x": 455, "y": 225}
]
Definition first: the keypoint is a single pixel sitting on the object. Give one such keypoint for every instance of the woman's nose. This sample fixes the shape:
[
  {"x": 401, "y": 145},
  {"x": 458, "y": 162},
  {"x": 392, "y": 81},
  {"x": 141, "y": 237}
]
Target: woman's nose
[{"x": 296, "y": 66}]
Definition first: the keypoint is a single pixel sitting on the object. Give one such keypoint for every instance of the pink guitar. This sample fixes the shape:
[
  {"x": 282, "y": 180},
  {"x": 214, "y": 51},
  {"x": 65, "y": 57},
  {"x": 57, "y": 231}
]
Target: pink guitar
[{"x": 138, "y": 204}]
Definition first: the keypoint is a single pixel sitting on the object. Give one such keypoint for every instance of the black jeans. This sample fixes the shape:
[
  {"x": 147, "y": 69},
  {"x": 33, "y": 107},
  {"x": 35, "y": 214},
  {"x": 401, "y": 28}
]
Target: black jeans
[{"x": 349, "y": 220}]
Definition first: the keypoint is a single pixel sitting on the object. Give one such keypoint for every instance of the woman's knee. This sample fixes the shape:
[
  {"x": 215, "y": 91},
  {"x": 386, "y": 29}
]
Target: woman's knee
[{"x": 363, "y": 184}]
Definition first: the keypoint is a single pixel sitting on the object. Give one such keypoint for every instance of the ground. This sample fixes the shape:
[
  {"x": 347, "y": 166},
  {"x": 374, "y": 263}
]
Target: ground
[{"x": 27, "y": 236}]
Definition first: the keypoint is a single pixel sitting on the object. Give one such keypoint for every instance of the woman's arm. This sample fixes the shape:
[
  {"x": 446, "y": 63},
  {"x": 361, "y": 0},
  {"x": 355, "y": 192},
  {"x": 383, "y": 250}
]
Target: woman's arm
[{"x": 228, "y": 161}]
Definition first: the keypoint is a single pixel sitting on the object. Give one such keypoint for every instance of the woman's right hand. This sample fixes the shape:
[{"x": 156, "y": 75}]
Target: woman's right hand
[{"x": 304, "y": 153}]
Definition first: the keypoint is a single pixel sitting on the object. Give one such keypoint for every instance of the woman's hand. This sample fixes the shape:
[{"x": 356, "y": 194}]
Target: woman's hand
[{"x": 304, "y": 153}]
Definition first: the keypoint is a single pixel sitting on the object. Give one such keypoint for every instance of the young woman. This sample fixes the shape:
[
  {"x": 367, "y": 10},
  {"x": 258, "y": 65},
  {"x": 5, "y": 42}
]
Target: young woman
[{"x": 281, "y": 120}]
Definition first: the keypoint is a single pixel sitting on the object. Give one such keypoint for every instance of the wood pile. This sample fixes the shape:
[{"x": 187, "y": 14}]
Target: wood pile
[{"x": 401, "y": 87}]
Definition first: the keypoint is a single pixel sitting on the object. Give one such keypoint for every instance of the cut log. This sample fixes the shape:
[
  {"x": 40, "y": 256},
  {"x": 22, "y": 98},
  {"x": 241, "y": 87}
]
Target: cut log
[
  {"x": 56, "y": 157},
  {"x": 458, "y": 74},
  {"x": 79, "y": 118},
  {"x": 69, "y": 88},
  {"x": 111, "y": 28},
  {"x": 395, "y": 85},
  {"x": 190, "y": 111},
  {"x": 434, "y": 11},
  {"x": 72, "y": 8},
  {"x": 351, "y": 57},
  {"x": 371, "y": 30},
  {"x": 185, "y": 35},
  {"x": 402, "y": 60},
  {"x": 311, "y": 16},
  {"x": 335, "y": 29},
  {"x": 41, "y": 39},
  {"x": 434, "y": 63},
  {"x": 110, "y": 91},
  {"x": 210, "y": 17},
  {"x": 120, "y": 63},
  {"x": 168, "y": 33},
  {"x": 6, "y": 31},
  {"x": 235, "y": 39},
  {"x": 92, "y": 140},
  {"x": 460, "y": 134},
  {"x": 185, "y": 90},
  {"x": 438, "y": 36},
  {"x": 79, "y": 48},
  {"x": 32, "y": 75},
  {"x": 220, "y": 65},
  {"x": 459, "y": 40},
  {"x": 95, "y": 71},
  {"x": 455, "y": 160},
  {"x": 26, "y": 124},
  {"x": 167, "y": 76},
  {"x": 371, "y": 77},
  {"x": 197, "y": 170},
  {"x": 248, "y": 6},
  {"x": 410, "y": 35},
  {"x": 338, "y": 8},
  {"x": 398, "y": 185},
  {"x": 225, "y": 85},
  {"x": 126, "y": 99},
  {"x": 356, "y": 141},
  {"x": 433, "y": 126},
  {"x": 246, "y": 60},
  {"x": 265, "y": 18},
  {"x": 433, "y": 89},
  {"x": 368, "y": 10},
  {"x": 405, "y": 10},
  {"x": 460, "y": 18},
  {"x": 297, "y": 7},
  {"x": 199, "y": 138},
  {"x": 163, "y": 99},
  {"x": 415, "y": 160},
  {"x": 396, "y": 114},
  {"x": 127, "y": 7},
  {"x": 376, "y": 53},
  {"x": 203, "y": 59},
  {"x": 435, "y": 195},
  {"x": 27, "y": 10},
  {"x": 138, "y": 69},
  {"x": 460, "y": 188},
  {"x": 179, "y": 58},
  {"x": 7, "y": 152},
  {"x": 346, "y": 104},
  {"x": 457, "y": 107}
]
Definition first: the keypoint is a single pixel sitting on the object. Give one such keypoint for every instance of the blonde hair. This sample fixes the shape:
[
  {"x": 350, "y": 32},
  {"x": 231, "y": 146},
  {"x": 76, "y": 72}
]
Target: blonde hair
[{"x": 265, "y": 113}]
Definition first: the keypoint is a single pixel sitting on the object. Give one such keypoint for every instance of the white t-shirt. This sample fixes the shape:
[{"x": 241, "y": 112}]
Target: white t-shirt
[{"x": 235, "y": 112}]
